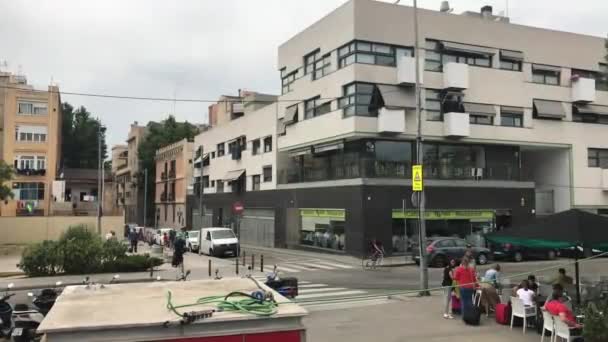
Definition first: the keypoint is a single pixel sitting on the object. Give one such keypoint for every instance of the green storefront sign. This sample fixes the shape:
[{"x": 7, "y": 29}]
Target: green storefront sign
[
  {"x": 445, "y": 214},
  {"x": 328, "y": 213}
]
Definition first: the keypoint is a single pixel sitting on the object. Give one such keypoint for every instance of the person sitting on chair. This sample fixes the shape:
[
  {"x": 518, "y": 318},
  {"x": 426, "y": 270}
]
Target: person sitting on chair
[{"x": 557, "y": 308}]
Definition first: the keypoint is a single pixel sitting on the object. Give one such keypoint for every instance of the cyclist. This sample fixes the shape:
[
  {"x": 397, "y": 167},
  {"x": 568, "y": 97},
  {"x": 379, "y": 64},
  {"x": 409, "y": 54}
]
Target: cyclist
[{"x": 376, "y": 249}]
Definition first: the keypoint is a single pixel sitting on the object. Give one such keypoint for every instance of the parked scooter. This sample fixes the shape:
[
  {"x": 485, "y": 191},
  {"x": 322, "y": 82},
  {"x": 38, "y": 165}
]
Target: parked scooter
[
  {"x": 45, "y": 300},
  {"x": 6, "y": 313},
  {"x": 25, "y": 323},
  {"x": 287, "y": 287}
]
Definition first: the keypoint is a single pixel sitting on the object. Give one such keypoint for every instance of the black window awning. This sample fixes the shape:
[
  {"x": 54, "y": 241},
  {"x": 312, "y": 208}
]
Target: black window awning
[
  {"x": 479, "y": 109},
  {"x": 592, "y": 109},
  {"x": 510, "y": 55},
  {"x": 395, "y": 97},
  {"x": 549, "y": 109},
  {"x": 331, "y": 146},
  {"x": 233, "y": 175},
  {"x": 468, "y": 49}
]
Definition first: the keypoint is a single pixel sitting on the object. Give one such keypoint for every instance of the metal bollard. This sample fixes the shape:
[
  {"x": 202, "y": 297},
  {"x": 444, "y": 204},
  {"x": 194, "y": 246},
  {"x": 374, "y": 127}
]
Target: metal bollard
[
  {"x": 237, "y": 266},
  {"x": 252, "y": 262},
  {"x": 243, "y": 258},
  {"x": 262, "y": 263},
  {"x": 209, "y": 267}
]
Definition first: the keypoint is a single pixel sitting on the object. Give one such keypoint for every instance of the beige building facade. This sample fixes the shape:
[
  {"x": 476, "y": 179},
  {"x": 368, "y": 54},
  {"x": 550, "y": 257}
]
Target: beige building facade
[
  {"x": 30, "y": 141},
  {"x": 173, "y": 183}
]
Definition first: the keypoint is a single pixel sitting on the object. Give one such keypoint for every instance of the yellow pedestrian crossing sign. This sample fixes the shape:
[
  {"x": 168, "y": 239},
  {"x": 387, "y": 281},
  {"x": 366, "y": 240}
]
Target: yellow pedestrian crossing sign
[{"x": 417, "y": 177}]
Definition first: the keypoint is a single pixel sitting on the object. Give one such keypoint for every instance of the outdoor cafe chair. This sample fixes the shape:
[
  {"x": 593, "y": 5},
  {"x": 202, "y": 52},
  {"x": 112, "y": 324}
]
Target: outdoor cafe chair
[
  {"x": 520, "y": 310},
  {"x": 562, "y": 330},
  {"x": 548, "y": 325}
]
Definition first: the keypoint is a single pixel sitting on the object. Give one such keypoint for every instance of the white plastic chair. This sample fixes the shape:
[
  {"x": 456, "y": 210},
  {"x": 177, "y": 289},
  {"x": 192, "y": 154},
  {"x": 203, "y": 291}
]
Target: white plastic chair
[
  {"x": 547, "y": 325},
  {"x": 519, "y": 310},
  {"x": 562, "y": 330}
]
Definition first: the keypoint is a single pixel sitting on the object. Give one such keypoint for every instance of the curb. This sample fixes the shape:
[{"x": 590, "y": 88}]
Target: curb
[{"x": 11, "y": 274}]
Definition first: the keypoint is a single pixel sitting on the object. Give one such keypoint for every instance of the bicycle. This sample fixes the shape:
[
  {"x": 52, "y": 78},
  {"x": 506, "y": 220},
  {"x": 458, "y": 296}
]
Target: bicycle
[{"x": 372, "y": 261}]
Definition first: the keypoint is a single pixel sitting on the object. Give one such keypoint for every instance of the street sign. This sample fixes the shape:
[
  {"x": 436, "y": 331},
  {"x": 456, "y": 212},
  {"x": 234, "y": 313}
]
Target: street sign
[
  {"x": 417, "y": 177},
  {"x": 238, "y": 207}
]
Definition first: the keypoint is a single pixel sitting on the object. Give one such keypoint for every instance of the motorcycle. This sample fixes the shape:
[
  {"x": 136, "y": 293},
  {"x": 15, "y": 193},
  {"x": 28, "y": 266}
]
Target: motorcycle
[
  {"x": 45, "y": 300},
  {"x": 26, "y": 320},
  {"x": 6, "y": 313},
  {"x": 287, "y": 286}
]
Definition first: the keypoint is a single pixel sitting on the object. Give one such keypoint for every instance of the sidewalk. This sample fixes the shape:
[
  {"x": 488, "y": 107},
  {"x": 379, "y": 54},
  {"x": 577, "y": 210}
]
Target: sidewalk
[{"x": 409, "y": 319}]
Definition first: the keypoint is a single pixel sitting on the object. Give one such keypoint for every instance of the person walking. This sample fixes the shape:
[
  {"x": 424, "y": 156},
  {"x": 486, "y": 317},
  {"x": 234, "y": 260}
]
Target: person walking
[
  {"x": 133, "y": 239},
  {"x": 447, "y": 282},
  {"x": 467, "y": 282}
]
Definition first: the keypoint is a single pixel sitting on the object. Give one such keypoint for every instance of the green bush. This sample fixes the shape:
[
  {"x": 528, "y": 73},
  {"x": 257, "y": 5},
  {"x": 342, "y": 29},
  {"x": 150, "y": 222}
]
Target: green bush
[
  {"x": 82, "y": 250},
  {"x": 131, "y": 263},
  {"x": 42, "y": 259},
  {"x": 113, "y": 250},
  {"x": 596, "y": 322}
]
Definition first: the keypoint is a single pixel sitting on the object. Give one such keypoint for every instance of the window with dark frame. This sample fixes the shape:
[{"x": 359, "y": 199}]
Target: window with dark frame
[
  {"x": 371, "y": 53},
  {"x": 220, "y": 186},
  {"x": 601, "y": 80},
  {"x": 322, "y": 67},
  {"x": 436, "y": 56},
  {"x": 481, "y": 119},
  {"x": 511, "y": 119},
  {"x": 267, "y": 172},
  {"x": 255, "y": 147},
  {"x": 432, "y": 105},
  {"x": 287, "y": 81},
  {"x": 506, "y": 64},
  {"x": 220, "y": 149},
  {"x": 316, "y": 106},
  {"x": 213, "y": 155},
  {"x": 357, "y": 99},
  {"x": 255, "y": 182},
  {"x": 577, "y": 116},
  {"x": 545, "y": 76},
  {"x": 205, "y": 181},
  {"x": 267, "y": 144},
  {"x": 309, "y": 61},
  {"x": 597, "y": 157}
]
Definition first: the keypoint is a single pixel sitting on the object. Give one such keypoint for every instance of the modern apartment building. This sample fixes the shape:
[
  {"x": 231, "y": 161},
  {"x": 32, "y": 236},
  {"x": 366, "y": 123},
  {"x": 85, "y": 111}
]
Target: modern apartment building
[
  {"x": 513, "y": 121},
  {"x": 126, "y": 169},
  {"x": 30, "y": 140},
  {"x": 173, "y": 181},
  {"x": 238, "y": 157}
]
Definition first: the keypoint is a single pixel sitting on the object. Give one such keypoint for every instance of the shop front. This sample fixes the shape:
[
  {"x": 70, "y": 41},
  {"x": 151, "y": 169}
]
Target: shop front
[
  {"x": 323, "y": 228},
  {"x": 471, "y": 225}
]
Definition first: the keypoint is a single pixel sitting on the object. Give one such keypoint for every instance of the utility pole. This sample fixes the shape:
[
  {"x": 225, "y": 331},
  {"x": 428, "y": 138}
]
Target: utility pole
[
  {"x": 145, "y": 195},
  {"x": 424, "y": 275},
  {"x": 99, "y": 177}
]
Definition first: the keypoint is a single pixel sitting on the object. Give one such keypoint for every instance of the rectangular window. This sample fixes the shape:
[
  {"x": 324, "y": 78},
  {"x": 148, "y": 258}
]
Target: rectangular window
[
  {"x": 371, "y": 53},
  {"x": 322, "y": 67},
  {"x": 316, "y": 107},
  {"x": 481, "y": 119},
  {"x": 31, "y": 133},
  {"x": 220, "y": 186},
  {"x": 29, "y": 191},
  {"x": 287, "y": 82},
  {"x": 510, "y": 65},
  {"x": 511, "y": 119},
  {"x": 255, "y": 147},
  {"x": 590, "y": 118},
  {"x": 267, "y": 144},
  {"x": 601, "y": 81},
  {"x": 255, "y": 182},
  {"x": 545, "y": 75},
  {"x": 436, "y": 55},
  {"x": 267, "y": 171},
  {"x": 220, "y": 149},
  {"x": 212, "y": 183},
  {"x": 357, "y": 100},
  {"x": 205, "y": 181},
  {"x": 213, "y": 155},
  {"x": 231, "y": 147},
  {"x": 40, "y": 163},
  {"x": 309, "y": 61},
  {"x": 432, "y": 105},
  {"x": 597, "y": 157},
  {"x": 31, "y": 108}
]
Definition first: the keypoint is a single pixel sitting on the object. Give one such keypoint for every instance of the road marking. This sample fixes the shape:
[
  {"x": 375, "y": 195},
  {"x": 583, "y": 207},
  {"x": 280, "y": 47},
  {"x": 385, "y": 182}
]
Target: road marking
[
  {"x": 330, "y": 294},
  {"x": 299, "y": 267},
  {"x": 287, "y": 269},
  {"x": 324, "y": 267},
  {"x": 335, "y": 265},
  {"x": 322, "y": 289},
  {"x": 307, "y": 286}
]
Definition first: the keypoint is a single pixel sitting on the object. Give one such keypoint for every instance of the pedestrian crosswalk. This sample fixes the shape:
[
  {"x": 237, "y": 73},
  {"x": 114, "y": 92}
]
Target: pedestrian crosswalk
[
  {"x": 309, "y": 291},
  {"x": 311, "y": 265}
]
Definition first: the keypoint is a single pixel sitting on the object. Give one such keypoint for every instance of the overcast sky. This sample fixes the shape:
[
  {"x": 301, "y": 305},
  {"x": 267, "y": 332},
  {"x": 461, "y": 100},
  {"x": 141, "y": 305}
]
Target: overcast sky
[{"x": 193, "y": 49}]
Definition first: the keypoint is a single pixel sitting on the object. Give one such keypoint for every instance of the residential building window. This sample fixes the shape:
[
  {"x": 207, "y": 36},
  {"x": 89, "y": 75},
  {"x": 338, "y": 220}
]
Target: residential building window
[
  {"x": 309, "y": 61},
  {"x": 220, "y": 186},
  {"x": 316, "y": 107},
  {"x": 481, "y": 119},
  {"x": 546, "y": 74},
  {"x": 287, "y": 81},
  {"x": 166, "y": 210},
  {"x": 432, "y": 105},
  {"x": 31, "y": 133},
  {"x": 205, "y": 181},
  {"x": 590, "y": 114},
  {"x": 231, "y": 146},
  {"x": 40, "y": 163},
  {"x": 29, "y": 108},
  {"x": 255, "y": 147},
  {"x": 597, "y": 157},
  {"x": 322, "y": 67},
  {"x": 601, "y": 81},
  {"x": 255, "y": 182},
  {"x": 213, "y": 184},
  {"x": 267, "y": 172},
  {"x": 28, "y": 191},
  {"x": 242, "y": 142},
  {"x": 267, "y": 144},
  {"x": 511, "y": 60},
  {"x": 173, "y": 207},
  {"x": 213, "y": 155},
  {"x": 511, "y": 118},
  {"x": 220, "y": 149},
  {"x": 371, "y": 53},
  {"x": 437, "y": 54},
  {"x": 357, "y": 100},
  {"x": 510, "y": 65}
]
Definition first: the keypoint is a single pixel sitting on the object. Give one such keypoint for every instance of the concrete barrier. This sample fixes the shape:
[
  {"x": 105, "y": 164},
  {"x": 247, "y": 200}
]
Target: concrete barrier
[{"x": 30, "y": 229}]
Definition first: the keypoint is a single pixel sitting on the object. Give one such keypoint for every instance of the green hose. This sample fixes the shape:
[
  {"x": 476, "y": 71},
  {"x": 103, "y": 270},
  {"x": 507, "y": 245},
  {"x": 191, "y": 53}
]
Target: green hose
[{"x": 245, "y": 304}]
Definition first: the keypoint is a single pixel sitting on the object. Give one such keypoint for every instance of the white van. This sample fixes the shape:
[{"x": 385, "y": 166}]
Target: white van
[{"x": 219, "y": 242}]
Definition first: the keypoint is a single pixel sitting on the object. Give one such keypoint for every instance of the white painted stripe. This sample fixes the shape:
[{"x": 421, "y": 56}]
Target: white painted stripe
[
  {"x": 303, "y": 282},
  {"x": 307, "y": 286},
  {"x": 287, "y": 269},
  {"x": 322, "y": 289},
  {"x": 299, "y": 267},
  {"x": 335, "y": 265},
  {"x": 330, "y": 294},
  {"x": 324, "y": 267}
]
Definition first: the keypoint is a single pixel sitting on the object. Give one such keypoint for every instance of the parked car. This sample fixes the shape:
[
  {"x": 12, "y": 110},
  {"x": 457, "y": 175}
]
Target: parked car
[
  {"x": 516, "y": 253},
  {"x": 440, "y": 250},
  {"x": 192, "y": 238},
  {"x": 219, "y": 242},
  {"x": 158, "y": 238}
]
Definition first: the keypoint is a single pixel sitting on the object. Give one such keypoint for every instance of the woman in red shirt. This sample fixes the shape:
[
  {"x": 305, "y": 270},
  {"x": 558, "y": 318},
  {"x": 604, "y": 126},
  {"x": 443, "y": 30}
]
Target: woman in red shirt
[{"x": 467, "y": 282}]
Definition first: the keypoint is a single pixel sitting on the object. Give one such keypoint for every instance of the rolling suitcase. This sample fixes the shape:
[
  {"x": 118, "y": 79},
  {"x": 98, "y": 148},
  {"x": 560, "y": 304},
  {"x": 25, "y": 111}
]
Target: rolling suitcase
[
  {"x": 472, "y": 316},
  {"x": 503, "y": 314}
]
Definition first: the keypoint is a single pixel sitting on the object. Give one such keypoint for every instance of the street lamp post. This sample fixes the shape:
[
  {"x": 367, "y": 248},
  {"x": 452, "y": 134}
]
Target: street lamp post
[
  {"x": 145, "y": 195},
  {"x": 99, "y": 177}
]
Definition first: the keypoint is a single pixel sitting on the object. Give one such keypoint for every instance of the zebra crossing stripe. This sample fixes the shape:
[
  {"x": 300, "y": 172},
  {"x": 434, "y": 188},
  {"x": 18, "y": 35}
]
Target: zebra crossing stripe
[
  {"x": 307, "y": 286},
  {"x": 322, "y": 289},
  {"x": 298, "y": 267},
  {"x": 324, "y": 267},
  {"x": 335, "y": 265},
  {"x": 329, "y": 294},
  {"x": 287, "y": 269}
]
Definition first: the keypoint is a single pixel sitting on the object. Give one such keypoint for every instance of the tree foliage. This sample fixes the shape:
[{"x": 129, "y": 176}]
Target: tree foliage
[
  {"x": 6, "y": 174},
  {"x": 79, "y": 144},
  {"x": 160, "y": 134}
]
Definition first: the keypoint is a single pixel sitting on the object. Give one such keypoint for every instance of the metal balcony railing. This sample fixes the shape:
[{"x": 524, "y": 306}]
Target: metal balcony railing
[{"x": 30, "y": 172}]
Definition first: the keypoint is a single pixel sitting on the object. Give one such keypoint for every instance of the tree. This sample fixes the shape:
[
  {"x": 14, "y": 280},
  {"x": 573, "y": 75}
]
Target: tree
[
  {"x": 79, "y": 147},
  {"x": 160, "y": 134},
  {"x": 6, "y": 174}
]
